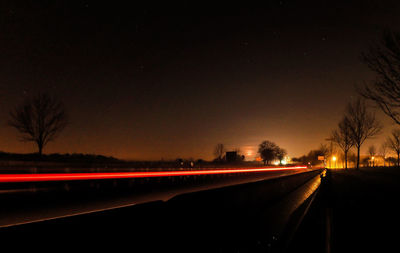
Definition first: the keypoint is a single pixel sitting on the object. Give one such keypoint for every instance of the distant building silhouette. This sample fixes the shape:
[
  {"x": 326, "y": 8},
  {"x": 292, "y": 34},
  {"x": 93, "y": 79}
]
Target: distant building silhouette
[{"x": 231, "y": 156}]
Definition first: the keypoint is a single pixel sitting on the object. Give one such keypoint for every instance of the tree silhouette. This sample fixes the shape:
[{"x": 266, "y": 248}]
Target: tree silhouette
[
  {"x": 280, "y": 154},
  {"x": 39, "y": 119},
  {"x": 394, "y": 143},
  {"x": 270, "y": 151},
  {"x": 219, "y": 151},
  {"x": 324, "y": 150},
  {"x": 362, "y": 124},
  {"x": 372, "y": 153},
  {"x": 384, "y": 60},
  {"x": 342, "y": 137},
  {"x": 267, "y": 150},
  {"x": 383, "y": 152}
]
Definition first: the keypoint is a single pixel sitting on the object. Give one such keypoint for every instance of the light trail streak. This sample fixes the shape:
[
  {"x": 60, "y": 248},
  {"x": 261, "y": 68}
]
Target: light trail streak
[{"x": 15, "y": 178}]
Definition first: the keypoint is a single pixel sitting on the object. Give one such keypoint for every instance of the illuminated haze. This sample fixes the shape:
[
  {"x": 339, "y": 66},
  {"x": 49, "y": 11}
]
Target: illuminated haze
[{"x": 140, "y": 83}]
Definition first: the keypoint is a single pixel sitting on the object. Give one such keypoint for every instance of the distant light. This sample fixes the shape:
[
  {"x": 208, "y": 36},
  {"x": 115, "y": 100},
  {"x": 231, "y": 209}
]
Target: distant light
[
  {"x": 334, "y": 158},
  {"x": 276, "y": 162},
  {"x": 372, "y": 158},
  {"x": 284, "y": 162}
]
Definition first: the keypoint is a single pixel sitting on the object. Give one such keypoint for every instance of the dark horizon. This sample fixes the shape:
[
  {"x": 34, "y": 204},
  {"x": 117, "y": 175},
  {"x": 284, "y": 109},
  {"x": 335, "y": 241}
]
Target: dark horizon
[{"x": 144, "y": 83}]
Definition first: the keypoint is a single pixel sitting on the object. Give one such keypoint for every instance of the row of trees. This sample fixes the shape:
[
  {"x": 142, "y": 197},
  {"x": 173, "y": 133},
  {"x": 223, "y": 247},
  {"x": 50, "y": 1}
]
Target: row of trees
[
  {"x": 358, "y": 124},
  {"x": 392, "y": 143},
  {"x": 312, "y": 156}
]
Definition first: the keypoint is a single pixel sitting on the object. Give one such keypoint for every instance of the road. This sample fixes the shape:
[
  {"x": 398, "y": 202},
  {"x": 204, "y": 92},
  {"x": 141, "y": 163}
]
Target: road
[
  {"x": 239, "y": 217},
  {"x": 24, "y": 196},
  {"x": 353, "y": 211}
]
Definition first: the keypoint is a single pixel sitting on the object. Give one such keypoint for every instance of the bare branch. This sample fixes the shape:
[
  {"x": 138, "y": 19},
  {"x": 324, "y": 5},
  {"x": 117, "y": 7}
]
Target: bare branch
[
  {"x": 393, "y": 143},
  {"x": 39, "y": 119},
  {"x": 384, "y": 60},
  {"x": 361, "y": 124},
  {"x": 219, "y": 151}
]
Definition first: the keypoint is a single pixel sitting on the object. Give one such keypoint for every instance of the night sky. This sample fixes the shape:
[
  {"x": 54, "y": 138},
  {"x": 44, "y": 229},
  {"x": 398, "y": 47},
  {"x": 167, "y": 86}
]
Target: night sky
[{"x": 156, "y": 82}]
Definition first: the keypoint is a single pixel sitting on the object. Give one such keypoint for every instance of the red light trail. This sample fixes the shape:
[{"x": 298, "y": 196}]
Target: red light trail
[{"x": 14, "y": 178}]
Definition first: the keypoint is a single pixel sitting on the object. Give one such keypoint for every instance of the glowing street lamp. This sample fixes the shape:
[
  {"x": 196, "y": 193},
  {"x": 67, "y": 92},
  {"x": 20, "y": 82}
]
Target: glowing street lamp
[{"x": 334, "y": 160}]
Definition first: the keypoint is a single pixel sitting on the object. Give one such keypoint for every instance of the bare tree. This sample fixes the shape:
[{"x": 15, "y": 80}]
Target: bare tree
[
  {"x": 384, "y": 60},
  {"x": 219, "y": 151},
  {"x": 323, "y": 148},
  {"x": 39, "y": 119},
  {"x": 351, "y": 157},
  {"x": 383, "y": 152},
  {"x": 394, "y": 143},
  {"x": 267, "y": 151},
  {"x": 280, "y": 154},
  {"x": 372, "y": 154},
  {"x": 342, "y": 137},
  {"x": 362, "y": 124},
  {"x": 325, "y": 151}
]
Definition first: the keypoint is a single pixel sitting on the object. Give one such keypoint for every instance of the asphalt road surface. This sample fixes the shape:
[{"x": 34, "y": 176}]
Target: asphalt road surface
[
  {"x": 35, "y": 197},
  {"x": 236, "y": 218}
]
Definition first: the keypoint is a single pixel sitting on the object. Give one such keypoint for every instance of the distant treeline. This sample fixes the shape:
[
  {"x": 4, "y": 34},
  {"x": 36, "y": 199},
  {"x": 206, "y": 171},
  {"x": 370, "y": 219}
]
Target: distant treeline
[
  {"x": 63, "y": 158},
  {"x": 49, "y": 163}
]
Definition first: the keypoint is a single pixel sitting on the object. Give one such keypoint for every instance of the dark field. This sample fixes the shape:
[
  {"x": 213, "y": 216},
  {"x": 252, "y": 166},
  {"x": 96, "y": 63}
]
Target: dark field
[{"x": 363, "y": 209}]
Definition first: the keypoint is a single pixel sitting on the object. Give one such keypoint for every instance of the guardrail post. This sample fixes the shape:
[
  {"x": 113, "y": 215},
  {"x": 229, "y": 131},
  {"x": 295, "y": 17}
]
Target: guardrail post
[{"x": 326, "y": 181}]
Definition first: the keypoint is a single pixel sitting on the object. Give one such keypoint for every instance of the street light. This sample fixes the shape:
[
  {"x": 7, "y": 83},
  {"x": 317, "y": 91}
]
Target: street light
[{"x": 334, "y": 160}]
